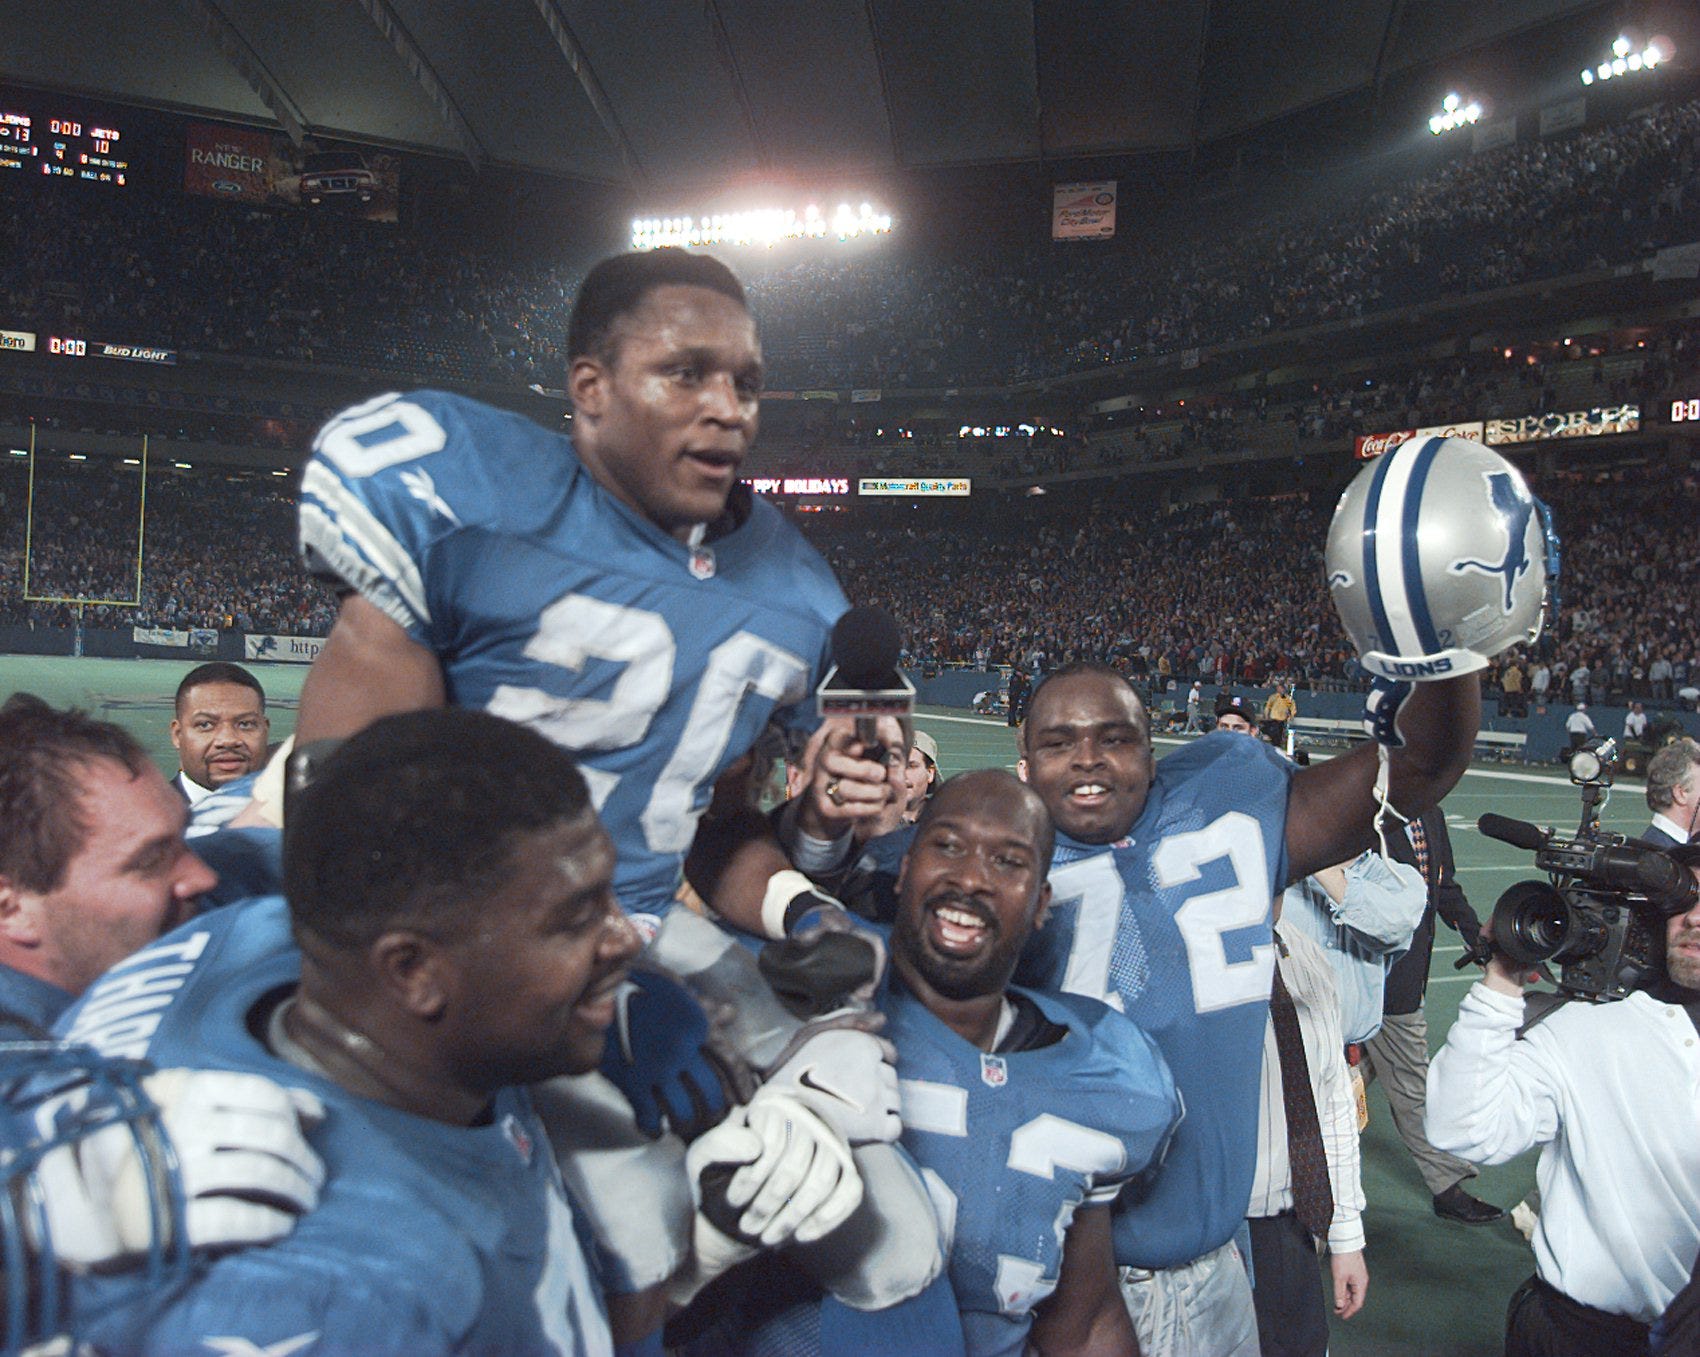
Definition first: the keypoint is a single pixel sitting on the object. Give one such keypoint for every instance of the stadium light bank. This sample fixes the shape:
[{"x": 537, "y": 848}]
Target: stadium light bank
[
  {"x": 1626, "y": 61},
  {"x": 1454, "y": 113},
  {"x": 766, "y": 227}
]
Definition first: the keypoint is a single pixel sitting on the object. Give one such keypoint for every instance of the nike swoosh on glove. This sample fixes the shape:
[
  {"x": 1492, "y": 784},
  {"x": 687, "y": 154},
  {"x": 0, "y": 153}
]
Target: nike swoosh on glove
[{"x": 839, "y": 1068}]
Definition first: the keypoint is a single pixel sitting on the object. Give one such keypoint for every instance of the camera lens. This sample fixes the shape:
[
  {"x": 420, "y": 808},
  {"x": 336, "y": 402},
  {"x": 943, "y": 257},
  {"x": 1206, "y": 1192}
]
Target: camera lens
[{"x": 1532, "y": 923}]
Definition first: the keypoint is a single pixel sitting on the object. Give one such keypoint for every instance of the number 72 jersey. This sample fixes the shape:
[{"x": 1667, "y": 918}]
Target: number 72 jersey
[
  {"x": 550, "y": 602},
  {"x": 1173, "y": 926}
]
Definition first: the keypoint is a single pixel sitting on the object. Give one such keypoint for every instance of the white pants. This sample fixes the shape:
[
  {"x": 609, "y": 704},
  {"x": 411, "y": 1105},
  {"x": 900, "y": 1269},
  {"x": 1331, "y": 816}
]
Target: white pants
[{"x": 1197, "y": 1309}]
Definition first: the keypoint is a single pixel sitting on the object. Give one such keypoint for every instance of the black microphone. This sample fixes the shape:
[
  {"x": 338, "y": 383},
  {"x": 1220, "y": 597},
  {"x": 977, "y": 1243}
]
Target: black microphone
[
  {"x": 865, "y": 647},
  {"x": 863, "y": 681},
  {"x": 1517, "y": 833}
]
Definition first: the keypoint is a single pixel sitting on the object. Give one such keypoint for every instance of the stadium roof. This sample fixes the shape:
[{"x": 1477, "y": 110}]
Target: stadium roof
[{"x": 681, "y": 91}]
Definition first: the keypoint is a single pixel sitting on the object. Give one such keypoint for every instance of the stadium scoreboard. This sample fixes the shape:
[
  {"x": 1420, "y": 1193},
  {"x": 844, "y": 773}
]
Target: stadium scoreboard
[{"x": 55, "y": 143}]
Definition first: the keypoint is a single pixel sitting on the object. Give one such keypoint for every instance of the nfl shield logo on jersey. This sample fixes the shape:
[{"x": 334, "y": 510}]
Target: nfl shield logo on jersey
[
  {"x": 702, "y": 563},
  {"x": 518, "y": 1136},
  {"x": 993, "y": 1071}
]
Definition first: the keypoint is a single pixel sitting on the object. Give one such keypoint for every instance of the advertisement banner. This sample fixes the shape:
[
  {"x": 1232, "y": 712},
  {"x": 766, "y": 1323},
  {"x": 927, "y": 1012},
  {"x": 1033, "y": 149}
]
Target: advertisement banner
[
  {"x": 228, "y": 162},
  {"x": 158, "y": 636},
  {"x": 133, "y": 353},
  {"x": 19, "y": 341},
  {"x": 1603, "y": 419},
  {"x": 243, "y": 165},
  {"x": 1368, "y": 445},
  {"x": 799, "y": 485},
  {"x": 1084, "y": 211},
  {"x": 910, "y": 485},
  {"x": 864, "y": 395},
  {"x": 283, "y": 649},
  {"x": 1486, "y": 136},
  {"x": 203, "y": 638},
  {"x": 1562, "y": 117}
]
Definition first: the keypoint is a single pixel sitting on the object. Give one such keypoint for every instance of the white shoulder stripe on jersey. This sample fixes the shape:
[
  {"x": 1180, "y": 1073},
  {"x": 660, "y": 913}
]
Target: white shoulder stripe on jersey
[
  {"x": 362, "y": 529},
  {"x": 1389, "y": 551},
  {"x": 326, "y": 538}
]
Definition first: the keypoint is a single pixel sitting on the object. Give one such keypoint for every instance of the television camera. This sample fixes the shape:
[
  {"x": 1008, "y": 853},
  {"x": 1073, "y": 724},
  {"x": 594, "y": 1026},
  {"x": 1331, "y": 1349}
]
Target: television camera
[{"x": 1599, "y": 916}]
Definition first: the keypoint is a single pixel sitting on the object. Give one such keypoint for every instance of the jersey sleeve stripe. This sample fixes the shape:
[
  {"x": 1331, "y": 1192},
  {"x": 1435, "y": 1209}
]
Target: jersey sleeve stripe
[{"x": 351, "y": 539}]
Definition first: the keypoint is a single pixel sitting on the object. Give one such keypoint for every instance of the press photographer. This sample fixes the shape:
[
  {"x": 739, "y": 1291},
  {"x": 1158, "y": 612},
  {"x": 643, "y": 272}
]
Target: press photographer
[{"x": 1607, "y": 1089}]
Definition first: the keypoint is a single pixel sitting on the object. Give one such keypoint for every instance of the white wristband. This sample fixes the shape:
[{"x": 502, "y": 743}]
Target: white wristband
[{"x": 782, "y": 888}]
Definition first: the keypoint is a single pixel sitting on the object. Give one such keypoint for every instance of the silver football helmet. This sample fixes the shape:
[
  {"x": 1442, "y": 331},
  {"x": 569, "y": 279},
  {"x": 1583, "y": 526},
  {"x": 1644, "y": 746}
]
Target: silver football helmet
[{"x": 1439, "y": 558}]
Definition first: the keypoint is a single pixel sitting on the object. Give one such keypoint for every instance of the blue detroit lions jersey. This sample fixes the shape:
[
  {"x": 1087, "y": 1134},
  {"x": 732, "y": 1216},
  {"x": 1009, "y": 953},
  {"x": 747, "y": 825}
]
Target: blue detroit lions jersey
[
  {"x": 1173, "y": 927},
  {"x": 428, "y": 1238},
  {"x": 28, "y": 1007},
  {"x": 550, "y": 602},
  {"x": 1011, "y": 1145}
]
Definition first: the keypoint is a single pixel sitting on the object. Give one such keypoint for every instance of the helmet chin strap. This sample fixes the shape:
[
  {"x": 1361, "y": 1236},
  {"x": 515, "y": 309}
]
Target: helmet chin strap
[{"x": 1384, "y": 808}]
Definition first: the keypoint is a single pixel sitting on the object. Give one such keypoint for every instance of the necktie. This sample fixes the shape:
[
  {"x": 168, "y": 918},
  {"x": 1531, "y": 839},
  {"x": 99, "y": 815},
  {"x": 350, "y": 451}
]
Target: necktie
[
  {"x": 1419, "y": 843},
  {"x": 1313, "y": 1196}
]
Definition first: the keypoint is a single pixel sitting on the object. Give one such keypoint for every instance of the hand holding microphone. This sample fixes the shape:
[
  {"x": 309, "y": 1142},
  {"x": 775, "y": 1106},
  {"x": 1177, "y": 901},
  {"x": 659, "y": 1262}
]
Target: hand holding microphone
[{"x": 855, "y": 759}]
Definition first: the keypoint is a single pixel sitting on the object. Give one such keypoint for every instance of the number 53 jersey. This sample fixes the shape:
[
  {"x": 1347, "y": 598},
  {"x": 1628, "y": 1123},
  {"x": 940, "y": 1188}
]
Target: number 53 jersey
[
  {"x": 1173, "y": 926},
  {"x": 1012, "y": 1144},
  {"x": 550, "y": 602}
]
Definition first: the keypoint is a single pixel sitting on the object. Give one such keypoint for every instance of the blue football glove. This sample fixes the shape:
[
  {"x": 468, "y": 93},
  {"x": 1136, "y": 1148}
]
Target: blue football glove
[
  {"x": 668, "y": 1056},
  {"x": 1381, "y": 709}
]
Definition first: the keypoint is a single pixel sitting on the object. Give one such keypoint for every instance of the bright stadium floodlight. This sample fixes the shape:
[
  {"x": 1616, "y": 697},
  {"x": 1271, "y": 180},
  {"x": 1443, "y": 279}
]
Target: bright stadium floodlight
[
  {"x": 1455, "y": 113},
  {"x": 1626, "y": 60},
  {"x": 765, "y": 227}
]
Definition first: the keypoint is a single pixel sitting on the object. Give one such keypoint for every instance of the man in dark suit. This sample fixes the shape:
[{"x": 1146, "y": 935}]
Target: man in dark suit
[
  {"x": 1398, "y": 1053},
  {"x": 219, "y": 728},
  {"x": 1673, "y": 793}
]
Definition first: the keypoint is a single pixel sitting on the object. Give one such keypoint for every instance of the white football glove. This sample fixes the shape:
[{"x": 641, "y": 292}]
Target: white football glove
[
  {"x": 838, "y": 1068},
  {"x": 795, "y": 1177},
  {"x": 795, "y": 1181},
  {"x": 246, "y": 1168}
]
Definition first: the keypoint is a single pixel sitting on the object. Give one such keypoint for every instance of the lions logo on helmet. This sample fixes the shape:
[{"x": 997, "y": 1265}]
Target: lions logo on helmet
[
  {"x": 1439, "y": 558},
  {"x": 54, "y": 1099}
]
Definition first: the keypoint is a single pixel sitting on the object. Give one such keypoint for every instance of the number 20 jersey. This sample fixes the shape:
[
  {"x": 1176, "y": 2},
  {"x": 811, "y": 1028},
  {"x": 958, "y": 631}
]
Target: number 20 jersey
[
  {"x": 550, "y": 602},
  {"x": 1173, "y": 926}
]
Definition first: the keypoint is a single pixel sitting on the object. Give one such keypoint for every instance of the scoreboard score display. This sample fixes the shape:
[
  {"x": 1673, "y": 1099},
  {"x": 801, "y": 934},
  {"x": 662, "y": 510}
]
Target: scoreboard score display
[{"x": 52, "y": 142}]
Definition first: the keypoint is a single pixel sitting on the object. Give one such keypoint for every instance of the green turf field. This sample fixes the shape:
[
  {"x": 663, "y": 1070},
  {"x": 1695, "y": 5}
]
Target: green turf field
[{"x": 1436, "y": 1289}]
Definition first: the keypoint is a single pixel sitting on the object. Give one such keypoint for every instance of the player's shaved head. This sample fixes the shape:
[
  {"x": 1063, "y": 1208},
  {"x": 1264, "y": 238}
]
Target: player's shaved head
[
  {"x": 993, "y": 791},
  {"x": 416, "y": 818},
  {"x": 618, "y": 286}
]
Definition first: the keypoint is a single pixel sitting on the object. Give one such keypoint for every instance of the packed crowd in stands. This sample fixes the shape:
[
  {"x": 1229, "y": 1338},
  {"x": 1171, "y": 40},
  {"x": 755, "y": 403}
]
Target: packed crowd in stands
[
  {"x": 1234, "y": 592},
  {"x": 200, "y": 276},
  {"x": 218, "y": 551},
  {"x": 1231, "y": 590}
]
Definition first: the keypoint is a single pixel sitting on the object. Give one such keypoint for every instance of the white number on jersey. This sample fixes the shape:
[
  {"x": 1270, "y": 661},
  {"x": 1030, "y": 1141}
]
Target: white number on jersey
[
  {"x": 409, "y": 432},
  {"x": 1205, "y": 919},
  {"x": 1093, "y": 887},
  {"x": 577, "y": 628},
  {"x": 1037, "y": 1147}
]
